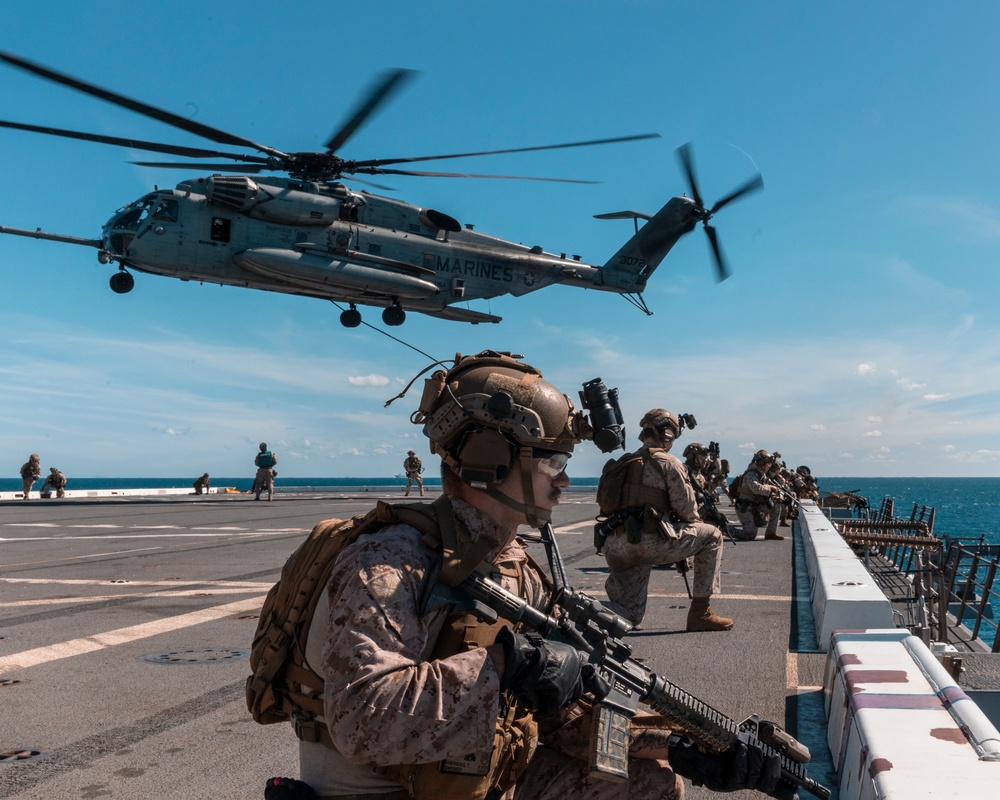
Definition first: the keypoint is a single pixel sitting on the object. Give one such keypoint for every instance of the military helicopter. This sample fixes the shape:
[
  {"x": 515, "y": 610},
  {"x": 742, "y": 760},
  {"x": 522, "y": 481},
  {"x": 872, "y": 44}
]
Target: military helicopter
[{"x": 309, "y": 234}]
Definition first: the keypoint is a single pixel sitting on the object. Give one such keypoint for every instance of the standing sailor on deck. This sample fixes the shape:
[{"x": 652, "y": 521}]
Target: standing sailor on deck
[
  {"x": 265, "y": 462},
  {"x": 31, "y": 471},
  {"x": 413, "y": 466}
]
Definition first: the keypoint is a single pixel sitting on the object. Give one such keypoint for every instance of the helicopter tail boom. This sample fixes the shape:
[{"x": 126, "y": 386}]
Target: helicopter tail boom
[{"x": 630, "y": 268}]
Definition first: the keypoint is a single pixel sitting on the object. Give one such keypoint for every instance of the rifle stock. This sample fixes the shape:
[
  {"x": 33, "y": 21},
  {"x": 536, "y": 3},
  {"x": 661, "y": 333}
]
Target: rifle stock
[{"x": 598, "y": 633}]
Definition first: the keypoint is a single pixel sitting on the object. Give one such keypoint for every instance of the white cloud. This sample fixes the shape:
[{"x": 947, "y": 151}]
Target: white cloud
[
  {"x": 867, "y": 368},
  {"x": 933, "y": 397},
  {"x": 817, "y": 427},
  {"x": 910, "y": 385},
  {"x": 368, "y": 380},
  {"x": 872, "y": 433},
  {"x": 874, "y": 419}
]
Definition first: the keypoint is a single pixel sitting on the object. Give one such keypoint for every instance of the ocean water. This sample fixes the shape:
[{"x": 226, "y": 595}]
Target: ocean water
[{"x": 966, "y": 507}]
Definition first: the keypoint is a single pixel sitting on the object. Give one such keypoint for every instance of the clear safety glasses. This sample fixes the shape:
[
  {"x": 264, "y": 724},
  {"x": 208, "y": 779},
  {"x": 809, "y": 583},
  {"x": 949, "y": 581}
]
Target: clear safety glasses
[{"x": 551, "y": 463}]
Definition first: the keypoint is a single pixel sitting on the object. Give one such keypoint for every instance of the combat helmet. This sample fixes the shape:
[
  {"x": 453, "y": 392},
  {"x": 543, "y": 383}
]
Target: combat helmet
[
  {"x": 491, "y": 413},
  {"x": 762, "y": 457},
  {"x": 660, "y": 419},
  {"x": 695, "y": 449},
  {"x": 263, "y": 446}
]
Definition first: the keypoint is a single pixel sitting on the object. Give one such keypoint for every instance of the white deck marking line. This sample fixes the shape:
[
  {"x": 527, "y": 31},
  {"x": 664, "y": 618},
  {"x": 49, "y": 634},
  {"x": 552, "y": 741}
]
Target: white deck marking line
[
  {"x": 573, "y": 528},
  {"x": 100, "y": 641},
  {"x": 79, "y": 558},
  {"x": 119, "y": 536},
  {"x": 724, "y": 596},
  {"x": 112, "y": 582},
  {"x": 792, "y": 671},
  {"x": 103, "y": 598}
]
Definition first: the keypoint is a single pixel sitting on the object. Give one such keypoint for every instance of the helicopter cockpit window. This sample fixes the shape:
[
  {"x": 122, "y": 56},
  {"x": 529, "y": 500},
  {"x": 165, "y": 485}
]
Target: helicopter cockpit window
[
  {"x": 134, "y": 215},
  {"x": 166, "y": 211}
]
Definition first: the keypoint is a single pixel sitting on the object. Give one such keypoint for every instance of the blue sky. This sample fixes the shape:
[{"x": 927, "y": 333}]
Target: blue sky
[{"x": 857, "y": 334}]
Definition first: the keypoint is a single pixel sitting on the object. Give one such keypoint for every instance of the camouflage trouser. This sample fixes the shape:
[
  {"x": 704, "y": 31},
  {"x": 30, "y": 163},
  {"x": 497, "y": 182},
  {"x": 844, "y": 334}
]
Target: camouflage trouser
[
  {"x": 26, "y": 484},
  {"x": 553, "y": 776},
  {"x": 629, "y": 564},
  {"x": 414, "y": 477},
  {"x": 772, "y": 521},
  {"x": 263, "y": 480}
]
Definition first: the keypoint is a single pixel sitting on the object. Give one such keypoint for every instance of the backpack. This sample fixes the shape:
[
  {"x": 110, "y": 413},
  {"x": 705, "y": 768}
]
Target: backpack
[
  {"x": 621, "y": 486},
  {"x": 282, "y": 685},
  {"x": 614, "y": 476},
  {"x": 734, "y": 487}
]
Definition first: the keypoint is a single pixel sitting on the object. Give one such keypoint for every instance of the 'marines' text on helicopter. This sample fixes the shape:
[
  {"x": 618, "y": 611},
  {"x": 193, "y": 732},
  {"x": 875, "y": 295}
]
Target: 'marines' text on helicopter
[{"x": 308, "y": 234}]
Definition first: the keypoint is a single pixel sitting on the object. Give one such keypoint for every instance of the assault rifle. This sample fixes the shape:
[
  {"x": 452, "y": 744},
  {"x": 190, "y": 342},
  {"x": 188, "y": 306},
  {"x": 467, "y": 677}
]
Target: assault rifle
[
  {"x": 787, "y": 497},
  {"x": 707, "y": 508},
  {"x": 599, "y": 633}
]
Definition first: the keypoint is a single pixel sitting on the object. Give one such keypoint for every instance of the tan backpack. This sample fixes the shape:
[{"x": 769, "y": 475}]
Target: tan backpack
[
  {"x": 282, "y": 685},
  {"x": 621, "y": 487}
]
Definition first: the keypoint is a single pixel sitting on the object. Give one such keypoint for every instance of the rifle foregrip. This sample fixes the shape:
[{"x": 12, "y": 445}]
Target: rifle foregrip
[{"x": 609, "y": 735}]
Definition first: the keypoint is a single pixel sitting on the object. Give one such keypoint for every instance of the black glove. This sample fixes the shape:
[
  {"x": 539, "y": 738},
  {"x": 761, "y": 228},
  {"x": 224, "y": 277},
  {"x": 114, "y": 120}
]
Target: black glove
[
  {"x": 542, "y": 674},
  {"x": 741, "y": 767},
  {"x": 288, "y": 789}
]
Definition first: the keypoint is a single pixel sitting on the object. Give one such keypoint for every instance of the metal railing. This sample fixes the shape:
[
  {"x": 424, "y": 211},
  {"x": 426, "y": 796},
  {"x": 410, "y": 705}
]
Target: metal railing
[
  {"x": 948, "y": 584},
  {"x": 969, "y": 572}
]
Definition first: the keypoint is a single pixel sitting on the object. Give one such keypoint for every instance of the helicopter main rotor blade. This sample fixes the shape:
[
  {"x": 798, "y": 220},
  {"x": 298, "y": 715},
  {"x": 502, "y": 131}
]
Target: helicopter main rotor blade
[
  {"x": 206, "y": 132},
  {"x": 721, "y": 270},
  {"x": 133, "y": 144},
  {"x": 390, "y": 85},
  {"x": 420, "y": 174},
  {"x": 687, "y": 162},
  {"x": 376, "y": 162},
  {"x": 751, "y": 185},
  {"x": 206, "y": 167}
]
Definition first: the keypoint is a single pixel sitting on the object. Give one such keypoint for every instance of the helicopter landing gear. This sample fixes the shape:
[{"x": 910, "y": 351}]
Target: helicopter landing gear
[
  {"x": 122, "y": 282},
  {"x": 393, "y": 315},
  {"x": 350, "y": 318}
]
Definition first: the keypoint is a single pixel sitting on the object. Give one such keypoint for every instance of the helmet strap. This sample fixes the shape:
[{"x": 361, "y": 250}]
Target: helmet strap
[{"x": 535, "y": 517}]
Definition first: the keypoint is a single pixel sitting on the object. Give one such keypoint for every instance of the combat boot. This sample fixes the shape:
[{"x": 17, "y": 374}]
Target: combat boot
[
  {"x": 774, "y": 536},
  {"x": 702, "y": 618}
]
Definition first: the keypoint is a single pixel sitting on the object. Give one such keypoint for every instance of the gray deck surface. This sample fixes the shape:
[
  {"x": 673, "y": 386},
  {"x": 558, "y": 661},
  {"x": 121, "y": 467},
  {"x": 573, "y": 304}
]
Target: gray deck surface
[{"x": 90, "y": 587}]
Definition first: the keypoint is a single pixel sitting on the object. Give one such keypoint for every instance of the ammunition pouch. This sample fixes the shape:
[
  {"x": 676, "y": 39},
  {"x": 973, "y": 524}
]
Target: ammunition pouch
[{"x": 629, "y": 521}]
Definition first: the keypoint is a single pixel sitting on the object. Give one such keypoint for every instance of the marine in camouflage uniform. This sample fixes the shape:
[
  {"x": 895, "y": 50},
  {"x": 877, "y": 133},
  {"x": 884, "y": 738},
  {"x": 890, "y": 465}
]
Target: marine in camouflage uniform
[
  {"x": 806, "y": 487},
  {"x": 54, "y": 480},
  {"x": 668, "y": 534},
  {"x": 265, "y": 462},
  {"x": 413, "y": 466},
  {"x": 754, "y": 502},
  {"x": 202, "y": 485},
  {"x": 31, "y": 471},
  {"x": 413, "y": 716}
]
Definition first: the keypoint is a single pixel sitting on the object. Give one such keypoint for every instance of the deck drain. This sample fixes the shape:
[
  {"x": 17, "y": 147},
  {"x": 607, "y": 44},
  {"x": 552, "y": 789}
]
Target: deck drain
[
  {"x": 21, "y": 754},
  {"x": 10, "y": 681},
  {"x": 195, "y": 656}
]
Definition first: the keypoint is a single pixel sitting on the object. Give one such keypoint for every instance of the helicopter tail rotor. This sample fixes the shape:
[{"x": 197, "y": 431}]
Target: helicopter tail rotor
[{"x": 686, "y": 157}]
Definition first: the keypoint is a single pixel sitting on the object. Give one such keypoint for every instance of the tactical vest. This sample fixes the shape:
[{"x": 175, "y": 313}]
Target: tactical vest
[
  {"x": 264, "y": 459},
  {"x": 287, "y": 696},
  {"x": 621, "y": 488}
]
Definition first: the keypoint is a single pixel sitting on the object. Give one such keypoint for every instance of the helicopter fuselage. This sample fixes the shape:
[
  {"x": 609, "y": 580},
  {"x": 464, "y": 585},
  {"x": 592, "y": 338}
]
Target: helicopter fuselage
[{"x": 326, "y": 241}]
